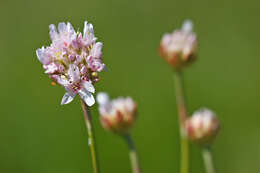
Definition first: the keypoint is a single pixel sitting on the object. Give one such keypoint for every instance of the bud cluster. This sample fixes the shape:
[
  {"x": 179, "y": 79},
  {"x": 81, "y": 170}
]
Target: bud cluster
[
  {"x": 117, "y": 115},
  {"x": 202, "y": 127},
  {"x": 179, "y": 48}
]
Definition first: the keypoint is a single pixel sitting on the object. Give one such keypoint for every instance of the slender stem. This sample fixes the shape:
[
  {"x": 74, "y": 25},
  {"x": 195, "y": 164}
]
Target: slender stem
[
  {"x": 180, "y": 97},
  {"x": 184, "y": 155},
  {"x": 182, "y": 117},
  {"x": 136, "y": 168},
  {"x": 208, "y": 161},
  {"x": 91, "y": 137}
]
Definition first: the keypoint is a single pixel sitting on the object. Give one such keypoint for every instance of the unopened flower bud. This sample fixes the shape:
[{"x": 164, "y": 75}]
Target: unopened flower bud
[
  {"x": 202, "y": 127},
  {"x": 117, "y": 115},
  {"x": 179, "y": 48}
]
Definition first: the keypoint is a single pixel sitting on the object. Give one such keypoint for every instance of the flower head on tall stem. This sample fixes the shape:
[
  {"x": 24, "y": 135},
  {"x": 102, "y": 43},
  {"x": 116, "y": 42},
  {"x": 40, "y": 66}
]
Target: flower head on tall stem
[
  {"x": 179, "y": 47},
  {"x": 117, "y": 115},
  {"x": 202, "y": 127},
  {"x": 73, "y": 60}
]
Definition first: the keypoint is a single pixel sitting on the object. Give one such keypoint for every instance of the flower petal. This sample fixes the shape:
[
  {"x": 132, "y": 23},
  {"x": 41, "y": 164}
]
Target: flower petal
[
  {"x": 70, "y": 28},
  {"x": 87, "y": 97},
  {"x": 88, "y": 86},
  {"x": 61, "y": 79},
  {"x": 102, "y": 98},
  {"x": 74, "y": 73},
  {"x": 42, "y": 56},
  {"x": 96, "y": 50},
  {"x": 88, "y": 29},
  {"x": 187, "y": 26},
  {"x": 53, "y": 32},
  {"x": 166, "y": 39},
  {"x": 62, "y": 27},
  {"x": 67, "y": 98},
  {"x": 51, "y": 68},
  {"x": 88, "y": 34}
]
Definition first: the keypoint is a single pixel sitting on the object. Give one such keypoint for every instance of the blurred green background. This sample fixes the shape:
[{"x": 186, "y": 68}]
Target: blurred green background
[{"x": 39, "y": 135}]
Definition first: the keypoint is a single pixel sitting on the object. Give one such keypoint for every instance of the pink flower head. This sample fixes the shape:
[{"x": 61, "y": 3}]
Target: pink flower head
[
  {"x": 203, "y": 126},
  {"x": 179, "y": 47},
  {"x": 117, "y": 115},
  {"x": 72, "y": 59}
]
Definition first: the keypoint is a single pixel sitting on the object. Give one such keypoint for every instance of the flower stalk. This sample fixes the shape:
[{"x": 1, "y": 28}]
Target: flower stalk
[
  {"x": 180, "y": 98},
  {"x": 136, "y": 168},
  {"x": 91, "y": 137},
  {"x": 118, "y": 116},
  {"x": 208, "y": 160}
]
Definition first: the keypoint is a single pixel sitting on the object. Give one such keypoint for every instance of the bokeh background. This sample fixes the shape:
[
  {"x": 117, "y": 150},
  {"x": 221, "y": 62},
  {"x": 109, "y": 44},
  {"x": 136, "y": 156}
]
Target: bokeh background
[{"x": 39, "y": 135}]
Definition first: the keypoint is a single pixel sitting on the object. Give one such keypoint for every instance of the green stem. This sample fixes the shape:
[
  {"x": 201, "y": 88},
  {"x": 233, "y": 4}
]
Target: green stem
[
  {"x": 184, "y": 155},
  {"x": 180, "y": 98},
  {"x": 208, "y": 161},
  {"x": 91, "y": 137},
  {"x": 136, "y": 168}
]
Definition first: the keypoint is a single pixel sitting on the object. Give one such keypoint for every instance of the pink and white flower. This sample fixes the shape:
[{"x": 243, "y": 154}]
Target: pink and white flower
[
  {"x": 203, "y": 126},
  {"x": 73, "y": 60},
  {"x": 179, "y": 47},
  {"x": 117, "y": 115}
]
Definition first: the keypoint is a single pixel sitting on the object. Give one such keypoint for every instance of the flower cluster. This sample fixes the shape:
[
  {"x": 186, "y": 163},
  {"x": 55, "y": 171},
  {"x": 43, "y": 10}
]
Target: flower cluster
[
  {"x": 203, "y": 126},
  {"x": 73, "y": 60},
  {"x": 179, "y": 48},
  {"x": 117, "y": 115}
]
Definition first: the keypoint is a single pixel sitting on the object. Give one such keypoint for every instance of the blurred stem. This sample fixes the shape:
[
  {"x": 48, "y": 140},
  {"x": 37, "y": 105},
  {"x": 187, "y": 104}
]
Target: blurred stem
[
  {"x": 91, "y": 137},
  {"x": 208, "y": 161},
  {"x": 180, "y": 98},
  {"x": 136, "y": 168}
]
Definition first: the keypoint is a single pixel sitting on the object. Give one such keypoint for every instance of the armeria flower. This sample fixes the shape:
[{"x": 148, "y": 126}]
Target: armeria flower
[
  {"x": 117, "y": 115},
  {"x": 203, "y": 126},
  {"x": 179, "y": 48},
  {"x": 73, "y": 60}
]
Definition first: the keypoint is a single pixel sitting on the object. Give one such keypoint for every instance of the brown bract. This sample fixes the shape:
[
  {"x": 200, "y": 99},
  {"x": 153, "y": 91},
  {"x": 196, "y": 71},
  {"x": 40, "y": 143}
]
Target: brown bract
[{"x": 177, "y": 59}]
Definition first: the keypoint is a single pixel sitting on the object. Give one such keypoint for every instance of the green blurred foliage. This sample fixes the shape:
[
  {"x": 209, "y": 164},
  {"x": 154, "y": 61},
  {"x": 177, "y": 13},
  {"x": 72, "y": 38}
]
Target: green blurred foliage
[{"x": 39, "y": 135}]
